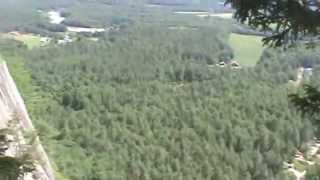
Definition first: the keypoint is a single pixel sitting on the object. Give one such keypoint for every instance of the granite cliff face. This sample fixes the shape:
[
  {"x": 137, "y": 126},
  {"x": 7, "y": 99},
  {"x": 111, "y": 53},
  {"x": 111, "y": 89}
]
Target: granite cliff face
[{"x": 12, "y": 106}]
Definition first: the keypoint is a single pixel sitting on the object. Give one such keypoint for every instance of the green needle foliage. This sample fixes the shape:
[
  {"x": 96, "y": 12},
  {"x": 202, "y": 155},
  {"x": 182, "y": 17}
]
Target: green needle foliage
[
  {"x": 148, "y": 102},
  {"x": 292, "y": 19},
  {"x": 143, "y": 104}
]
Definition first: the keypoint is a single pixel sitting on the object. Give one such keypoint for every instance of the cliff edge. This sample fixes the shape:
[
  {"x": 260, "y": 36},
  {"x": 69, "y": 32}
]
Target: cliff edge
[{"x": 12, "y": 104}]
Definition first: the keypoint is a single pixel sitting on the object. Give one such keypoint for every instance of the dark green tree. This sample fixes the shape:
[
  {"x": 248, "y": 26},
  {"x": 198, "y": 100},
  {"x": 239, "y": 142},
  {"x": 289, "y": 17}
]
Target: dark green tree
[{"x": 289, "y": 20}]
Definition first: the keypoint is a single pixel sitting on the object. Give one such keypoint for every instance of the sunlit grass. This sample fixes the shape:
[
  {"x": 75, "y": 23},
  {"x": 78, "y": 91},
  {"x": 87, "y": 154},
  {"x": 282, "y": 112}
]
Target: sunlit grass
[
  {"x": 247, "y": 49},
  {"x": 300, "y": 166},
  {"x": 30, "y": 40}
]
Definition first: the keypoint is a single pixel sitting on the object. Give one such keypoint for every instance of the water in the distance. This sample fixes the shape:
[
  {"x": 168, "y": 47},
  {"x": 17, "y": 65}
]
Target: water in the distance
[
  {"x": 204, "y": 14},
  {"x": 56, "y": 18}
]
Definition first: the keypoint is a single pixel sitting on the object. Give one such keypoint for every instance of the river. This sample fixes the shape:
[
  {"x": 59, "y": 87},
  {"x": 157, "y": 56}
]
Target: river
[{"x": 204, "y": 14}]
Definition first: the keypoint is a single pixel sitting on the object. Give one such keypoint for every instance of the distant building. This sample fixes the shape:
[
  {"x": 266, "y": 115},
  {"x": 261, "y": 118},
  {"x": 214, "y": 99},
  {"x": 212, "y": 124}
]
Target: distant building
[
  {"x": 235, "y": 65},
  {"x": 221, "y": 64},
  {"x": 232, "y": 64},
  {"x": 67, "y": 39}
]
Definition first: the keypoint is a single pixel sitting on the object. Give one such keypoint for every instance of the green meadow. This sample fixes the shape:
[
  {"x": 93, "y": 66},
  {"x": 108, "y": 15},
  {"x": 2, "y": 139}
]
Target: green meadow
[
  {"x": 247, "y": 49},
  {"x": 30, "y": 40}
]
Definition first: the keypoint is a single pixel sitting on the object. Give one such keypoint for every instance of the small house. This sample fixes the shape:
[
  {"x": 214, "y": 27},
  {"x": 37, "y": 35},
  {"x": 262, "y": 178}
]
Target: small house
[
  {"x": 235, "y": 65},
  {"x": 221, "y": 64}
]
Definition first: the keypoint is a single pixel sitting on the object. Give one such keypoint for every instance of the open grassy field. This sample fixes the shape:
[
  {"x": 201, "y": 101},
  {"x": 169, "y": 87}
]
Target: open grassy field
[
  {"x": 247, "y": 49},
  {"x": 28, "y": 39},
  {"x": 300, "y": 166}
]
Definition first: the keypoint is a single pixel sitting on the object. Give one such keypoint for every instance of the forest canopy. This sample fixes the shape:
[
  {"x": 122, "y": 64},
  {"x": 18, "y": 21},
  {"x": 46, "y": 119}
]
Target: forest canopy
[
  {"x": 131, "y": 106},
  {"x": 148, "y": 100}
]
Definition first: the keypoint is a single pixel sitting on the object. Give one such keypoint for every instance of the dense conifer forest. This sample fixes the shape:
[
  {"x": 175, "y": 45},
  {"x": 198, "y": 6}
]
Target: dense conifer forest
[
  {"x": 130, "y": 107},
  {"x": 148, "y": 102}
]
